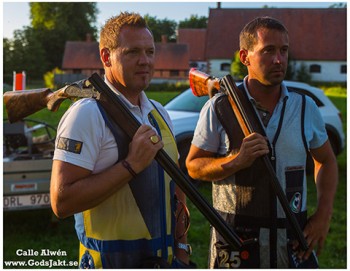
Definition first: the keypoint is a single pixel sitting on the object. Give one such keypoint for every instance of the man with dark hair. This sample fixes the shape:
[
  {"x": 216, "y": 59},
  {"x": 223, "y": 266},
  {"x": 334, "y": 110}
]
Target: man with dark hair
[
  {"x": 241, "y": 190},
  {"x": 122, "y": 200}
]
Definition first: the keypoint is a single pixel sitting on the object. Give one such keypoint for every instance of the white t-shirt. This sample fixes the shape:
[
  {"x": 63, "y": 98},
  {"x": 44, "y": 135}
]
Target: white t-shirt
[{"x": 84, "y": 139}]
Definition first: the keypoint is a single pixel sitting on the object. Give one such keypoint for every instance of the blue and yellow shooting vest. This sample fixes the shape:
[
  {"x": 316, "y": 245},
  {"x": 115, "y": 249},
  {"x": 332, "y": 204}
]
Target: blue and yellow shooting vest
[{"x": 136, "y": 223}]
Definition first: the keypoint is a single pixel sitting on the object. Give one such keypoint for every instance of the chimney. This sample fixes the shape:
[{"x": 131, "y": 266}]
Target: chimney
[
  {"x": 88, "y": 37},
  {"x": 219, "y": 5},
  {"x": 164, "y": 39}
]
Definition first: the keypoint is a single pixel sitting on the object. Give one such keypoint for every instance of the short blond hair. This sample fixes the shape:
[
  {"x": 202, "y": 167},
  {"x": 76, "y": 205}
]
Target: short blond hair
[{"x": 109, "y": 35}]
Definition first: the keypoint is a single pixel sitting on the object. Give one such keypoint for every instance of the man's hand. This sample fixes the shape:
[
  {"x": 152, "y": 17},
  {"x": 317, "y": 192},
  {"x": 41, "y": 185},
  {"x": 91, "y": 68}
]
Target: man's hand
[
  {"x": 253, "y": 146},
  {"x": 315, "y": 233},
  {"x": 142, "y": 149}
]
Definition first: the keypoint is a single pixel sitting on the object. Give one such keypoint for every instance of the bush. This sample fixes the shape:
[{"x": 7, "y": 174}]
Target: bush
[
  {"x": 50, "y": 76},
  {"x": 179, "y": 86}
]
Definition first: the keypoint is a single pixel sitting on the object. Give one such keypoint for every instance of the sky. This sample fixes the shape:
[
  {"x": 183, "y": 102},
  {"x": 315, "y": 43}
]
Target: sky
[{"x": 16, "y": 14}]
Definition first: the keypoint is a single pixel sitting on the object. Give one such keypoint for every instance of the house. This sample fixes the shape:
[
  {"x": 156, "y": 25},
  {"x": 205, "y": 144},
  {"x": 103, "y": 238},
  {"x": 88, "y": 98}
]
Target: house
[
  {"x": 317, "y": 39},
  {"x": 196, "y": 40},
  {"x": 171, "y": 63},
  {"x": 81, "y": 59}
]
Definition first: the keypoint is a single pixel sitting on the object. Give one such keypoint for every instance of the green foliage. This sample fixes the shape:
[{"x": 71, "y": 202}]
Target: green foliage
[
  {"x": 38, "y": 230},
  {"x": 338, "y": 5},
  {"x": 24, "y": 53},
  {"x": 336, "y": 91},
  {"x": 50, "y": 76},
  {"x": 39, "y": 47},
  {"x": 58, "y": 22},
  {"x": 238, "y": 70},
  {"x": 302, "y": 74},
  {"x": 161, "y": 27},
  {"x": 171, "y": 87},
  {"x": 72, "y": 19},
  {"x": 290, "y": 68},
  {"x": 194, "y": 22}
]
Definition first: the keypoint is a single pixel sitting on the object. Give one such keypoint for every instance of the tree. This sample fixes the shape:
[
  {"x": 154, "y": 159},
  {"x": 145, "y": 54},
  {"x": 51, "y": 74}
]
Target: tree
[
  {"x": 24, "y": 52},
  {"x": 290, "y": 68},
  {"x": 40, "y": 47},
  {"x": 57, "y": 22},
  {"x": 338, "y": 5},
  {"x": 302, "y": 74},
  {"x": 238, "y": 70},
  {"x": 161, "y": 27},
  {"x": 194, "y": 22}
]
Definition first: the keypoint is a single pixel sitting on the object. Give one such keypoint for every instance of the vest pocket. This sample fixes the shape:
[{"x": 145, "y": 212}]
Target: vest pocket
[{"x": 294, "y": 187}]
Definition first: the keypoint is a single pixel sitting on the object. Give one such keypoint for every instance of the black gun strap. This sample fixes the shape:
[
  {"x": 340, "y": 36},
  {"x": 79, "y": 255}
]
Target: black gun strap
[{"x": 120, "y": 137}]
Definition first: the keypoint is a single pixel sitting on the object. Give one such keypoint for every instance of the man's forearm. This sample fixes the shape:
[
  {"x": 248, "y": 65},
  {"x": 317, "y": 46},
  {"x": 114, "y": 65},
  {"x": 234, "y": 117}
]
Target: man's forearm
[
  {"x": 211, "y": 169},
  {"x": 326, "y": 178}
]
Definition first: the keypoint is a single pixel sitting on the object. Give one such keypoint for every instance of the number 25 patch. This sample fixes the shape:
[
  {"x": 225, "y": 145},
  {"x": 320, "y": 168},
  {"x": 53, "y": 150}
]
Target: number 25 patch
[{"x": 70, "y": 145}]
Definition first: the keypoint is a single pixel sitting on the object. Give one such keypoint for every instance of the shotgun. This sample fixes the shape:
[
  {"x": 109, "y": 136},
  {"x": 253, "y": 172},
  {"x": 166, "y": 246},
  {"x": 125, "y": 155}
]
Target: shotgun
[
  {"x": 127, "y": 122},
  {"x": 204, "y": 84},
  {"x": 20, "y": 104},
  {"x": 95, "y": 87}
]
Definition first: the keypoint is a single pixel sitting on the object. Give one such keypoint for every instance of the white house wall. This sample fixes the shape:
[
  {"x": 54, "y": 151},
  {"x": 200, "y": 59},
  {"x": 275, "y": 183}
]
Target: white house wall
[
  {"x": 330, "y": 70},
  {"x": 214, "y": 68}
]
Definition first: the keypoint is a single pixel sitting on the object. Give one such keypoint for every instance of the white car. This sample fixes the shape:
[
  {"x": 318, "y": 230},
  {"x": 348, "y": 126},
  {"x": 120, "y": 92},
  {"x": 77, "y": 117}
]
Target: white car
[{"x": 184, "y": 112}]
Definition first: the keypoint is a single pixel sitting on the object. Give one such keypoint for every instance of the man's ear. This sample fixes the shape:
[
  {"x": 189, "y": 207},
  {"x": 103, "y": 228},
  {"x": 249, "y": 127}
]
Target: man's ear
[
  {"x": 105, "y": 57},
  {"x": 243, "y": 55}
]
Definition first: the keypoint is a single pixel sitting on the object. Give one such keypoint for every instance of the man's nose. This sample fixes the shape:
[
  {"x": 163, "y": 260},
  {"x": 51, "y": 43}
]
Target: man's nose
[
  {"x": 143, "y": 58},
  {"x": 278, "y": 58}
]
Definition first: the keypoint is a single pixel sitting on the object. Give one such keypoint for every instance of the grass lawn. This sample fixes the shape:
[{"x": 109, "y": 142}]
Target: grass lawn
[{"x": 40, "y": 230}]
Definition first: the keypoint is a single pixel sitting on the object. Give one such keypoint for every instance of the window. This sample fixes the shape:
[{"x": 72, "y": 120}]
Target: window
[
  {"x": 315, "y": 68},
  {"x": 174, "y": 73},
  {"x": 343, "y": 69},
  {"x": 225, "y": 67}
]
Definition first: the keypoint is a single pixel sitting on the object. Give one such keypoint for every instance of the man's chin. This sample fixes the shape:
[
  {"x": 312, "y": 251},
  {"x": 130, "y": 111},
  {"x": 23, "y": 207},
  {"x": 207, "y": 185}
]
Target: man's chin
[{"x": 276, "y": 80}]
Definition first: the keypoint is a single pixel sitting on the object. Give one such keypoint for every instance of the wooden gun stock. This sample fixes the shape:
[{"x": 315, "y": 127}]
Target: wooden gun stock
[
  {"x": 203, "y": 84},
  {"x": 20, "y": 104},
  {"x": 126, "y": 120},
  {"x": 249, "y": 123}
]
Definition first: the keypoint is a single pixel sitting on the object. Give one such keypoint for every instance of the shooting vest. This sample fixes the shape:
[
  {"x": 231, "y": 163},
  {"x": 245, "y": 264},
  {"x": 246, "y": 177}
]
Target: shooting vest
[
  {"x": 136, "y": 223},
  {"x": 247, "y": 202}
]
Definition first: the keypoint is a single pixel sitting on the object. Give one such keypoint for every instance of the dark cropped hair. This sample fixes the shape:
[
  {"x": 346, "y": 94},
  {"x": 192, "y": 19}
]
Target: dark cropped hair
[
  {"x": 109, "y": 35},
  {"x": 248, "y": 36}
]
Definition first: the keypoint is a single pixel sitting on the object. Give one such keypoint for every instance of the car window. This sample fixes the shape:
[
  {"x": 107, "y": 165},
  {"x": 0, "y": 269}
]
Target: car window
[{"x": 186, "y": 101}]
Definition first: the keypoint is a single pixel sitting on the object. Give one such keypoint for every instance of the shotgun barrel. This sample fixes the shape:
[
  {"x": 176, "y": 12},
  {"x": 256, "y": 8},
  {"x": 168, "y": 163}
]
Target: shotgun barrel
[
  {"x": 249, "y": 123},
  {"x": 124, "y": 118}
]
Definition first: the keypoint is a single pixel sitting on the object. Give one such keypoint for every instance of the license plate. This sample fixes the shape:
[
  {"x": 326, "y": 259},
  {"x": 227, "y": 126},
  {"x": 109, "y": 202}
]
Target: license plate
[{"x": 22, "y": 201}]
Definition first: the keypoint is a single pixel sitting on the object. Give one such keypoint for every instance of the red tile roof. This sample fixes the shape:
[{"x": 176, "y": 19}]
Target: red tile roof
[
  {"x": 85, "y": 55},
  {"x": 171, "y": 56},
  {"x": 196, "y": 39},
  {"x": 81, "y": 55},
  {"x": 314, "y": 34}
]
